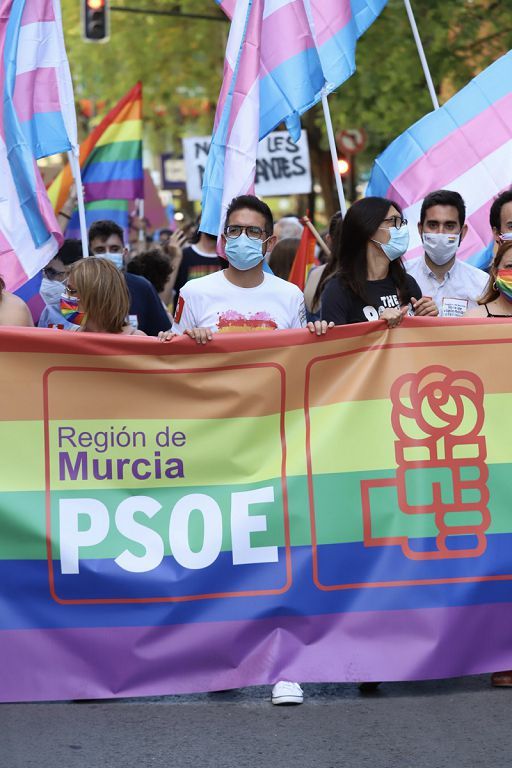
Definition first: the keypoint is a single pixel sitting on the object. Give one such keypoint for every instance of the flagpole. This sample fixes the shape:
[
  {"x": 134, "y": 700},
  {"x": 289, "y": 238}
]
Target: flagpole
[
  {"x": 421, "y": 52},
  {"x": 77, "y": 175},
  {"x": 334, "y": 153}
]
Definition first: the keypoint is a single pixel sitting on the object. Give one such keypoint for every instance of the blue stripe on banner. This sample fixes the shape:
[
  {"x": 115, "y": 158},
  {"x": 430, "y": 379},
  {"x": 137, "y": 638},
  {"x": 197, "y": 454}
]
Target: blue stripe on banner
[
  {"x": 494, "y": 82},
  {"x": 44, "y": 132},
  {"x": 19, "y": 156},
  {"x": 116, "y": 170},
  {"x": 26, "y": 601}
]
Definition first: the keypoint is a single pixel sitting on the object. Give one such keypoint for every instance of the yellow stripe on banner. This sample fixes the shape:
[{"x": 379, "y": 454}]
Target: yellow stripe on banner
[
  {"x": 129, "y": 130},
  {"x": 358, "y": 436}
]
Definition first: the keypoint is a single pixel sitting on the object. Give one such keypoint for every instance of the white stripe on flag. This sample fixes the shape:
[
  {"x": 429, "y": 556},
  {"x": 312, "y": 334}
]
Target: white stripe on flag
[
  {"x": 14, "y": 226},
  {"x": 65, "y": 83},
  {"x": 236, "y": 32},
  {"x": 477, "y": 186},
  {"x": 271, "y": 6},
  {"x": 241, "y": 150},
  {"x": 38, "y": 47}
]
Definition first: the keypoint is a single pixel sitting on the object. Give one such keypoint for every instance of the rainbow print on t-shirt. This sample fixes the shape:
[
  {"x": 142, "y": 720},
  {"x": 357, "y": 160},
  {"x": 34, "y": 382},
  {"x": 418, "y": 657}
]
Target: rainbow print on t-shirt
[{"x": 234, "y": 322}]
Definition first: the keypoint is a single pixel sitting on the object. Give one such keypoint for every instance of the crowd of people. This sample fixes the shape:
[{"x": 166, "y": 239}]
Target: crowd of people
[{"x": 179, "y": 287}]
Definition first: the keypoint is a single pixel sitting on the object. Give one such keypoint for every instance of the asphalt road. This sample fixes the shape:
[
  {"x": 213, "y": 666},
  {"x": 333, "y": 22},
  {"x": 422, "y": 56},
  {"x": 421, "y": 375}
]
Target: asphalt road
[{"x": 459, "y": 723}]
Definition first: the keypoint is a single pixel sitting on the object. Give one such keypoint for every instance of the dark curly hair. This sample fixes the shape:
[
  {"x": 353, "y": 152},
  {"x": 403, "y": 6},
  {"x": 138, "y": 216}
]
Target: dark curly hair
[{"x": 154, "y": 264}]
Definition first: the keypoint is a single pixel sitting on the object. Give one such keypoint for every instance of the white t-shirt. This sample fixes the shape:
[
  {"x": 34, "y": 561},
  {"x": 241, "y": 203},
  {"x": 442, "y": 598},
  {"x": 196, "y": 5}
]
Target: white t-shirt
[
  {"x": 459, "y": 289},
  {"x": 214, "y": 302}
]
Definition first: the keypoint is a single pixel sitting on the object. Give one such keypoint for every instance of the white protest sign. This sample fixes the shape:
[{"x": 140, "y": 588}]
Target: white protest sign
[{"x": 282, "y": 167}]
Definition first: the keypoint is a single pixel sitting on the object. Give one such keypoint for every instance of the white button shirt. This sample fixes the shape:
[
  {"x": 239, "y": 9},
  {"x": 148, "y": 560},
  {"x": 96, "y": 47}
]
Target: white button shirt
[{"x": 459, "y": 289}]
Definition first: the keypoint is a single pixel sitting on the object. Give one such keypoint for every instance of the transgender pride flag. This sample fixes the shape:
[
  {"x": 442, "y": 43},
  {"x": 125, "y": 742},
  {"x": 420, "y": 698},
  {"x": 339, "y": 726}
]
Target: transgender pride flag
[
  {"x": 37, "y": 118},
  {"x": 282, "y": 55},
  {"x": 466, "y": 145}
]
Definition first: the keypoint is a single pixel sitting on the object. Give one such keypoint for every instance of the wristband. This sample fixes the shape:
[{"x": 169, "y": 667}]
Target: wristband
[{"x": 66, "y": 215}]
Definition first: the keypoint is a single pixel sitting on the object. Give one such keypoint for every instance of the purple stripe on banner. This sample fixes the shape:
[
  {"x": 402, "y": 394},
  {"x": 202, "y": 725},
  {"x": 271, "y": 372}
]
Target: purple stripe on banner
[
  {"x": 38, "y": 10},
  {"x": 124, "y": 189},
  {"x": 448, "y": 158},
  {"x": 151, "y": 661},
  {"x": 36, "y": 91}
]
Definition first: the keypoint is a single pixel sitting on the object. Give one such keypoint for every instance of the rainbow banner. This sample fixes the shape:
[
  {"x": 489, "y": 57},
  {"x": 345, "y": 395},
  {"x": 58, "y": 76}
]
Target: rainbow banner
[
  {"x": 176, "y": 518},
  {"x": 110, "y": 157}
]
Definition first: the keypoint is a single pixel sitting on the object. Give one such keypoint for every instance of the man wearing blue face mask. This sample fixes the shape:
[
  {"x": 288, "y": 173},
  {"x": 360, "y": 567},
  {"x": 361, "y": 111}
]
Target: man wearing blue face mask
[
  {"x": 146, "y": 310},
  {"x": 242, "y": 297},
  {"x": 454, "y": 285},
  {"x": 53, "y": 285}
]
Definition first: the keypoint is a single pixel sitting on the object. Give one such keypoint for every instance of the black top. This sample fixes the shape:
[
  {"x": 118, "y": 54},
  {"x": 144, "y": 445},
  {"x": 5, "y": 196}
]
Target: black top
[
  {"x": 194, "y": 265},
  {"x": 341, "y": 306},
  {"x": 146, "y": 305},
  {"x": 489, "y": 314}
]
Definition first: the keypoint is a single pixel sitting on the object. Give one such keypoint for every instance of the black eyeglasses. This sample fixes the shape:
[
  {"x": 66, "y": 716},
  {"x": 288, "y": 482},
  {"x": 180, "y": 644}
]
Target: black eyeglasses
[
  {"x": 395, "y": 221},
  {"x": 53, "y": 274},
  {"x": 235, "y": 230}
]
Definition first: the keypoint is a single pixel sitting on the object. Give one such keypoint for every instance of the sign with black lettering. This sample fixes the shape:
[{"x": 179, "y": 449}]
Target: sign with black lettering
[{"x": 282, "y": 167}]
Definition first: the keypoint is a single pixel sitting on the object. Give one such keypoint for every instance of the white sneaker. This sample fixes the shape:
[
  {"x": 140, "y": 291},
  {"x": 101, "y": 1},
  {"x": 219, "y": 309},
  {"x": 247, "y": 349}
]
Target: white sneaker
[{"x": 285, "y": 692}]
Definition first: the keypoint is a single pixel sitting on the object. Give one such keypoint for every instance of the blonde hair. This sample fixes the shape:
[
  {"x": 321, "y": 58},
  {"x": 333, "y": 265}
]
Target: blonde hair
[
  {"x": 491, "y": 292},
  {"x": 102, "y": 291}
]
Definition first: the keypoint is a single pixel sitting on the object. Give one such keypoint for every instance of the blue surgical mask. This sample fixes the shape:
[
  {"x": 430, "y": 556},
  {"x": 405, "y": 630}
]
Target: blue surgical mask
[
  {"x": 244, "y": 253},
  {"x": 51, "y": 291},
  {"x": 116, "y": 258},
  {"x": 398, "y": 243}
]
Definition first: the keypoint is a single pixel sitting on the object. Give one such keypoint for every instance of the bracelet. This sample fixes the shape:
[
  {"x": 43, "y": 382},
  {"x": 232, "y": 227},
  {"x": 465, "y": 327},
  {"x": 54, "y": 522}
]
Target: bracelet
[{"x": 66, "y": 215}]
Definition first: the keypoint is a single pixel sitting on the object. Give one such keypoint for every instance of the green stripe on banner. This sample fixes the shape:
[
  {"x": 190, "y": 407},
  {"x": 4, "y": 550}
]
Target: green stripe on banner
[
  {"x": 119, "y": 150},
  {"x": 338, "y": 513}
]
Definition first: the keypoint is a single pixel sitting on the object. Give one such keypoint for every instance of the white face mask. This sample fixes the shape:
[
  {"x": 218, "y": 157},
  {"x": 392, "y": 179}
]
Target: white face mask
[
  {"x": 51, "y": 291},
  {"x": 116, "y": 258},
  {"x": 440, "y": 248},
  {"x": 505, "y": 237}
]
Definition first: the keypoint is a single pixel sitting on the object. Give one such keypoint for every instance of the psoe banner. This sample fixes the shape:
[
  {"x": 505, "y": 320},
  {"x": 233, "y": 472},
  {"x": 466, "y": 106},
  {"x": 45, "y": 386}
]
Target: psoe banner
[
  {"x": 176, "y": 518},
  {"x": 282, "y": 168}
]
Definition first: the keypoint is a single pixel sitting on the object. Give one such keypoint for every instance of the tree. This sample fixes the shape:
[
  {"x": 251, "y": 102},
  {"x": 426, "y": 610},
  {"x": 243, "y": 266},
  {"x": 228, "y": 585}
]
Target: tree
[{"x": 180, "y": 63}]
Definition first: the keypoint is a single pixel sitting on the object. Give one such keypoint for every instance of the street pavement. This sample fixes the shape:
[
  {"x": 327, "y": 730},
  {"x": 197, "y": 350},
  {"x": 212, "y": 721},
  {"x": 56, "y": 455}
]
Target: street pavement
[{"x": 461, "y": 723}]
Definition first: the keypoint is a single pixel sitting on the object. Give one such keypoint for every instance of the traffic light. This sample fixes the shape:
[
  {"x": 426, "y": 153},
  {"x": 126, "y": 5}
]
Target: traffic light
[
  {"x": 95, "y": 21},
  {"x": 344, "y": 166}
]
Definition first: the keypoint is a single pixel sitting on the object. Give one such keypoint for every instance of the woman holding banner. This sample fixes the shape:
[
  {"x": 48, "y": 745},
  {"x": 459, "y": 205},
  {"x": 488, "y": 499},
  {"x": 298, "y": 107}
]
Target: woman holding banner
[
  {"x": 97, "y": 298},
  {"x": 370, "y": 282}
]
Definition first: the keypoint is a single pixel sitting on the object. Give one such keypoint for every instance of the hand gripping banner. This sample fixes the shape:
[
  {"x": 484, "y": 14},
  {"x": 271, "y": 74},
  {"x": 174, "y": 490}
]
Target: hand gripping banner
[{"x": 178, "y": 518}]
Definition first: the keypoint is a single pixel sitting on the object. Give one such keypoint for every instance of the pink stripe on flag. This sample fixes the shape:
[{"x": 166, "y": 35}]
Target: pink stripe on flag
[
  {"x": 284, "y": 34},
  {"x": 10, "y": 268},
  {"x": 226, "y": 85},
  {"x": 37, "y": 10},
  {"x": 330, "y": 17},
  {"x": 36, "y": 92},
  {"x": 446, "y": 160},
  {"x": 248, "y": 69}
]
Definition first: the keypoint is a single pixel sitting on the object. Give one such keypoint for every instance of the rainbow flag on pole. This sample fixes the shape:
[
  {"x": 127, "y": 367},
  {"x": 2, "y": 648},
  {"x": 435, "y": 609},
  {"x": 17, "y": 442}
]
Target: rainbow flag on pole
[
  {"x": 466, "y": 145},
  {"x": 281, "y": 57},
  {"x": 110, "y": 157}
]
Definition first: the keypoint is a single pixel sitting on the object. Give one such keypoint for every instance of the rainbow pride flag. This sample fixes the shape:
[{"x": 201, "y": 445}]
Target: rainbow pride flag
[
  {"x": 110, "y": 157},
  {"x": 113, "y": 210},
  {"x": 304, "y": 260},
  {"x": 345, "y": 518}
]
